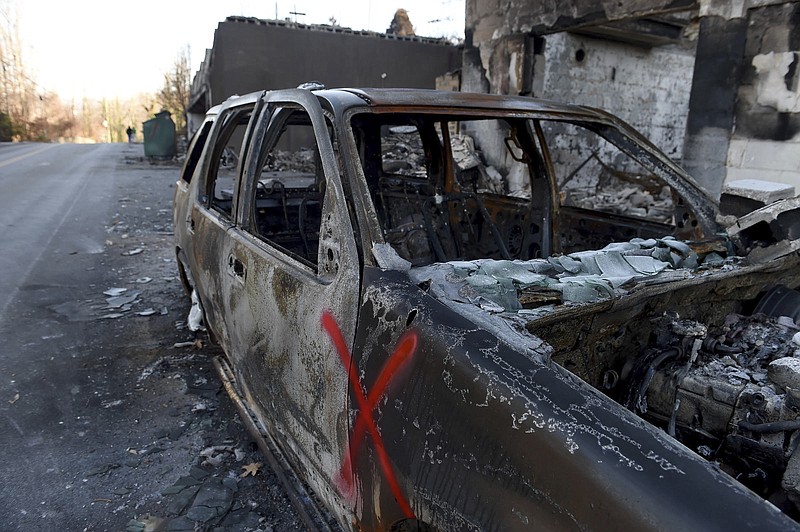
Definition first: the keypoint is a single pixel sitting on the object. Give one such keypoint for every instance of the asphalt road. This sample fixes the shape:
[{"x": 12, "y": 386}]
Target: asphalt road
[{"x": 104, "y": 423}]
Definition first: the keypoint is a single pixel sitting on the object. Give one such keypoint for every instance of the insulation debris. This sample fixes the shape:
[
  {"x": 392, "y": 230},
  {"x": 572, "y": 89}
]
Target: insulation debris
[
  {"x": 581, "y": 277},
  {"x": 114, "y": 292},
  {"x": 122, "y": 300}
]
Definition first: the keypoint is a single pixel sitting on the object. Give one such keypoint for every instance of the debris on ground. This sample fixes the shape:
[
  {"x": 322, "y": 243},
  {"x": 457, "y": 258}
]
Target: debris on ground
[{"x": 115, "y": 292}]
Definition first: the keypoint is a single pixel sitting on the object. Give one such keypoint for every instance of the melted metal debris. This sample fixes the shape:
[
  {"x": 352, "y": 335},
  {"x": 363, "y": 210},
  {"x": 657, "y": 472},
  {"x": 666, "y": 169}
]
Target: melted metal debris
[{"x": 526, "y": 287}]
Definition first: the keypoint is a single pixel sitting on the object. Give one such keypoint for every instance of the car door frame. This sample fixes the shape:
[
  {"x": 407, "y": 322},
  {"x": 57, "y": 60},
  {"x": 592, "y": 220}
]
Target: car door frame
[
  {"x": 209, "y": 226},
  {"x": 185, "y": 194},
  {"x": 276, "y": 305}
]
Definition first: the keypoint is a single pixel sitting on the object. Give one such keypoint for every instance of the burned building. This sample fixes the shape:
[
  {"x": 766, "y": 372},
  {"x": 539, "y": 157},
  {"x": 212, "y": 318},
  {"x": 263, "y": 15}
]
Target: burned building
[
  {"x": 252, "y": 54},
  {"x": 715, "y": 84}
]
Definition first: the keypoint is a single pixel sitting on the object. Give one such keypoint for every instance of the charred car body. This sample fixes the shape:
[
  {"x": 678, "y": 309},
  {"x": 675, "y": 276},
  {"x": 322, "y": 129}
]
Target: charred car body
[{"x": 474, "y": 312}]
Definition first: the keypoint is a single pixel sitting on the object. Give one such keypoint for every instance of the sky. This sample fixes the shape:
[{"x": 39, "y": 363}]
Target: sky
[{"x": 107, "y": 48}]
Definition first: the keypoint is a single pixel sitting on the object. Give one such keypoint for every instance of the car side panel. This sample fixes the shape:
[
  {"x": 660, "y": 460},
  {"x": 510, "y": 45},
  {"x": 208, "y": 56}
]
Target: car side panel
[
  {"x": 208, "y": 264},
  {"x": 480, "y": 436}
]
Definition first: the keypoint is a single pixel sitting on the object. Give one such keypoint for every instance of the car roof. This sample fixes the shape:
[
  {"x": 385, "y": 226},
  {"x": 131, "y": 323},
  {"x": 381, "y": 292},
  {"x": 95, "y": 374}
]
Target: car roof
[
  {"x": 448, "y": 101},
  {"x": 428, "y": 100}
]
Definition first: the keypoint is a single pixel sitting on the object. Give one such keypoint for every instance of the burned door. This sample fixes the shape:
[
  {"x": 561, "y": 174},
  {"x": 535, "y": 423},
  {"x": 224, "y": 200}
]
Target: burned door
[
  {"x": 212, "y": 212},
  {"x": 293, "y": 261}
]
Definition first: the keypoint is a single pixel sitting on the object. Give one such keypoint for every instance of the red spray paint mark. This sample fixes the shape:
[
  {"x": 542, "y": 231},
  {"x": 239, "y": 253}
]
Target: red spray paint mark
[{"x": 365, "y": 422}]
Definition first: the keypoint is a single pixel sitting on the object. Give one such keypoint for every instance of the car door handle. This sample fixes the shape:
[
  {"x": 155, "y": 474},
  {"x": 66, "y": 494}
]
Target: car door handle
[{"x": 236, "y": 267}]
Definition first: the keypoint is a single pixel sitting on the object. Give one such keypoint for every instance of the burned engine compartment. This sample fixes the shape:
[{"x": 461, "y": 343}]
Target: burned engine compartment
[{"x": 715, "y": 365}]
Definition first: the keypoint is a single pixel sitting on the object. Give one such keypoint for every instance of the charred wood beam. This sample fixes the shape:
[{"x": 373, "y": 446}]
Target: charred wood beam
[
  {"x": 577, "y": 13},
  {"x": 643, "y": 32}
]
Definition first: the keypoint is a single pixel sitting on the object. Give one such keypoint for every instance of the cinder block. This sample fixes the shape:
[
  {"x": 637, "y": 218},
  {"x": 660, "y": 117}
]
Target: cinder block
[{"x": 746, "y": 195}]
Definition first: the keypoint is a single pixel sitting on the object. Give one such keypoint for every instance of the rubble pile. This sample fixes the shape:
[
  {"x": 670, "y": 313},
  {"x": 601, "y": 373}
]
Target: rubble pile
[
  {"x": 300, "y": 161},
  {"x": 486, "y": 178},
  {"x": 402, "y": 152},
  {"x": 626, "y": 199}
]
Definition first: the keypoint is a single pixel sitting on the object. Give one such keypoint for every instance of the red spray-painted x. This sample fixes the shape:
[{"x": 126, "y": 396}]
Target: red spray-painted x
[{"x": 365, "y": 421}]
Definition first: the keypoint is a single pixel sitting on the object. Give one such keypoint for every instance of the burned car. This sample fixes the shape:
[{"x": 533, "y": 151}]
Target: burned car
[{"x": 469, "y": 312}]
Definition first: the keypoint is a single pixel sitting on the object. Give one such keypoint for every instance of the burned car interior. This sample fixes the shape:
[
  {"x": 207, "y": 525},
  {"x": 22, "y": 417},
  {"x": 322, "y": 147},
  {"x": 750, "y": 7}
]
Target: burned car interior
[
  {"x": 441, "y": 194},
  {"x": 433, "y": 208},
  {"x": 222, "y": 172},
  {"x": 291, "y": 187},
  {"x": 558, "y": 233}
]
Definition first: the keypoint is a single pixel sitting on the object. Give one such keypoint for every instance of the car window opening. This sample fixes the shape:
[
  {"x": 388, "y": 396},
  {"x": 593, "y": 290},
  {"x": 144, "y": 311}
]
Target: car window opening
[
  {"x": 464, "y": 188},
  {"x": 290, "y": 189},
  {"x": 223, "y": 173}
]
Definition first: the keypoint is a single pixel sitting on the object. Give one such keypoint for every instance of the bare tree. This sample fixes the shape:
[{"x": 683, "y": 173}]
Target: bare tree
[
  {"x": 51, "y": 119},
  {"x": 29, "y": 112},
  {"x": 174, "y": 96},
  {"x": 17, "y": 88}
]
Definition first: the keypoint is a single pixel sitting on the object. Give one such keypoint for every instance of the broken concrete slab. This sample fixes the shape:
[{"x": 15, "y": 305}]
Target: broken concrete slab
[
  {"x": 770, "y": 232},
  {"x": 767, "y": 214},
  {"x": 765, "y": 192},
  {"x": 743, "y": 196}
]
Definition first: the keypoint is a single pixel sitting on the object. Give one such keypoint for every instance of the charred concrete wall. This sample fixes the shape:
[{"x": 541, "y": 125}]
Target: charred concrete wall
[
  {"x": 252, "y": 54},
  {"x": 648, "y": 87},
  {"x": 744, "y": 116},
  {"x": 766, "y": 140},
  {"x": 518, "y": 47},
  {"x": 489, "y": 19},
  {"x": 723, "y": 98},
  {"x": 720, "y": 50}
]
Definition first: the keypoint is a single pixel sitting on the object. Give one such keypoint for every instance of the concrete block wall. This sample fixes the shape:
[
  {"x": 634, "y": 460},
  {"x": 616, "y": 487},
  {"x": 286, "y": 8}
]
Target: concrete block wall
[
  {"x": 647, "y": 87},
  {"x": 251, "y": 54},
  {"x": 764, "y": 159}
]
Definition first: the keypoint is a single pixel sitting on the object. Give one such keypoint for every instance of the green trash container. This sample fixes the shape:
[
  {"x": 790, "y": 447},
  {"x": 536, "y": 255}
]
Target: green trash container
[{"x": 159, "y": 136}]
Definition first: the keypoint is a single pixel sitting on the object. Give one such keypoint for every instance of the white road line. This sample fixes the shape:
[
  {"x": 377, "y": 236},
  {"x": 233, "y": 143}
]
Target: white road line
[{"x": 24, "y": 155}]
